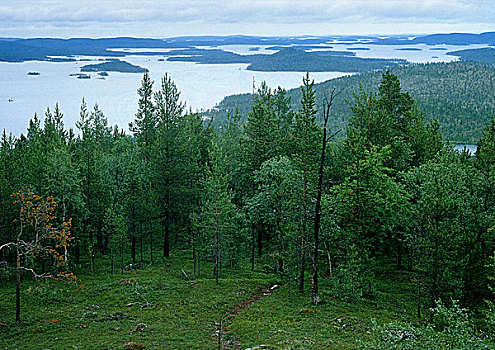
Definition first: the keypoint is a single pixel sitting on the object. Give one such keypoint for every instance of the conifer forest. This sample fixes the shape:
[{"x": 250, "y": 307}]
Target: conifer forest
[{"x": 276, "y": 228}]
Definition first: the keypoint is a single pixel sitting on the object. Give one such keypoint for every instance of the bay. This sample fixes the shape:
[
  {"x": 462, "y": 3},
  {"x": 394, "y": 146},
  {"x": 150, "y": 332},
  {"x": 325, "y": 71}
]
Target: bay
[{"x": 202, "y": 86}]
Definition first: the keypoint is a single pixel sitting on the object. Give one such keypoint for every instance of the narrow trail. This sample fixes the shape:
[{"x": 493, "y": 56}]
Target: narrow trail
[{"x": 222, "y": 331}]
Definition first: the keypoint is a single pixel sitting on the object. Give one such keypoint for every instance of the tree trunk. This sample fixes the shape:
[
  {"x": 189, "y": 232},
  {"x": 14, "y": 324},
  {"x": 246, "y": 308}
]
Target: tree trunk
[
  {"x": 18, "y": 283},
  {"x": 316, "y": 297},
  {"x": 193, "y": 243},
  {"x": 194, "y": 255},
  {"x": 77, "y": 252},
  {"x": 303, "y": 259},
  {"x": 329, "y": 262},
  {"x": 399, "y": 254},
  {"x": 418, "y": 295},
  {"x": 122, "y": 255},
  {"x": 281, "y": 242},
  {"x": 166, "y": 237},
  {"x": 92, "y": 259},
  {"x": 151, "y": 241},
  {"x": 43, "y": 264},
  {"x": 253, "y": 238},
  {"x": 217, "y": 241},
  {"x": 112, "y": 258},
  {"x": 260, "y": 248},
  {"x": 133, "y": 248},
  {"x": 141, "y": 246}
]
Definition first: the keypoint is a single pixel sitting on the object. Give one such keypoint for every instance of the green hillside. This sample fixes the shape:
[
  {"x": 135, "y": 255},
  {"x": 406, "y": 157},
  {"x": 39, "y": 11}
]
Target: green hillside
[
  {"x": 459, "y": 94},
  {"x": 484, "y": 55}
]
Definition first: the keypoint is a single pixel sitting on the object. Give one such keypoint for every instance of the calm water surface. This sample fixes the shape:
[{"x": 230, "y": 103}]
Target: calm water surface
[{"x": 202, "y": 86}]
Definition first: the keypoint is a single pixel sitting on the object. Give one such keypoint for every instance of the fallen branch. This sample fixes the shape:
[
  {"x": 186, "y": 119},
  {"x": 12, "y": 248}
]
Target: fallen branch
[
  {"x": 184, "y": 272},
  {"x": 142, "y": 305}
]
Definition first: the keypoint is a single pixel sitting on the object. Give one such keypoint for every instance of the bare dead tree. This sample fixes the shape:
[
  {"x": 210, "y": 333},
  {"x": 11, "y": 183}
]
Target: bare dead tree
[{"x": 327, "y": 104}]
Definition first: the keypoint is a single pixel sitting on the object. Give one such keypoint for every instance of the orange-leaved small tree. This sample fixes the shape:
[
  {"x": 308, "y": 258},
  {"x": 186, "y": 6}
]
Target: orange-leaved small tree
[{"x": 38, "y": 236}]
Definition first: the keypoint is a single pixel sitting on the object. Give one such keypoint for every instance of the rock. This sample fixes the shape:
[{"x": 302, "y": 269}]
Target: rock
[
  {"x": 133, "y": 346},
  {"x": 140, "y": 327},
  {"x": 131, "y": 267},
  {"x": 127, "y": 281},
  {"x": 307, "y": 311}
]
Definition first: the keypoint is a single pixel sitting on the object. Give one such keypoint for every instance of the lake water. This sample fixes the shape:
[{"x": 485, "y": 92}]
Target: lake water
[
  {"x": 201, "y": 86},
  {"x": 470, "y": 148}
]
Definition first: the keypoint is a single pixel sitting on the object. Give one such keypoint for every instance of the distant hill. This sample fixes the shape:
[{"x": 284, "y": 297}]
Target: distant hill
[
  {"x": 20, "y": 50},
  {"x": 487, "y": 38},
  {"x": 459, "y": 94}
]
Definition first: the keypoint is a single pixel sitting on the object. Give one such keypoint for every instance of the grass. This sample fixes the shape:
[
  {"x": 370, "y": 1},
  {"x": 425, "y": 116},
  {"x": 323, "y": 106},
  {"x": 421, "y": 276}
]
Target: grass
[
  {"x": 185, "y": 314},
  {"x": 277, "y": 320}
]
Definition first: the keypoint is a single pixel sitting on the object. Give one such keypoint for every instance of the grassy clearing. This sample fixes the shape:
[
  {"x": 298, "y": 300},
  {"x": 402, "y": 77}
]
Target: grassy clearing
[
  {"x": 185, "y": 314},
  {"x": 277, "y": 320}
]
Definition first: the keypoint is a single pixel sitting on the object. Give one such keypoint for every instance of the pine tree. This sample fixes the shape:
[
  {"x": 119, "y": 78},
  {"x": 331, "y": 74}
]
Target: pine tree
[
  {"x": 167, "y": 155},
  {"x": 217, "y": 220},
  {"x": 305, "y": 135},
  {"x": 144, "y": 125}
]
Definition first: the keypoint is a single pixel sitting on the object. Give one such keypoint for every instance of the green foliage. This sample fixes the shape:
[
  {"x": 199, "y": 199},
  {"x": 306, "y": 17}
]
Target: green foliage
[
  {"x": 458, "y": 94},
  {"x": 214, "y": 199},
  {"x": 295, "y": 60},
  {"x": 452, "y": 329},
  {"x": 277, "y": 204},
  {"x": 483, "y": 55},
  {"x": 113, "y": 66},
  {"x": 451, "y": 227},
  {"x": 218, "y": 220}
]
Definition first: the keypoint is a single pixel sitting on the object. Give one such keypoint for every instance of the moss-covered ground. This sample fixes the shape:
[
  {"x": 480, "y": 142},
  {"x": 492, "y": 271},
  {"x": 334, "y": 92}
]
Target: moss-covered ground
[{"x": 186, "y": 314}]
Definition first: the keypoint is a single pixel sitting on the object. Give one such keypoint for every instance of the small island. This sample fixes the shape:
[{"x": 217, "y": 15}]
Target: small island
[
  {"x": 80, "y": 76},
  {"x": 113, "y": 66},
  {"x": 409, "y": 49}
]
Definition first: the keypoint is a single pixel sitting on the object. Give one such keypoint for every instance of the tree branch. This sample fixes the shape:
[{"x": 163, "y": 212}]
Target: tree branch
[{"x": 7, "y": 245}]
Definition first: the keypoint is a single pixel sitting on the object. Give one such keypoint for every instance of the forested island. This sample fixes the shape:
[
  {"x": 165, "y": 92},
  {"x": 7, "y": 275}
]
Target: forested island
[
  {"x": 268, "y": 229},
  {"x": 296, "y": 60},
  {"x": 113, "y": 66},
  {"x": 287, "y": 59},
  {"x": 45, "y": 49}
]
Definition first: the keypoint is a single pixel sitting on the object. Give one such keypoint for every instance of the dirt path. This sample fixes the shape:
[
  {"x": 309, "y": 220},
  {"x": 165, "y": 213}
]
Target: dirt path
[{"x": 227, "y": 341}]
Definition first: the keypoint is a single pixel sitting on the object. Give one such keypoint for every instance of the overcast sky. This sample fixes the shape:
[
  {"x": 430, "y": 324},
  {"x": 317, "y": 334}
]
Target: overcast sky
[{"x": 165, "y": 18}]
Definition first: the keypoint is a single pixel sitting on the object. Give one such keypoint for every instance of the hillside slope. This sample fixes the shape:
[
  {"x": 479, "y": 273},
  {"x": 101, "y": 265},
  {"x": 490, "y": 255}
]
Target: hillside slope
[{"x": 459, "y": 94}]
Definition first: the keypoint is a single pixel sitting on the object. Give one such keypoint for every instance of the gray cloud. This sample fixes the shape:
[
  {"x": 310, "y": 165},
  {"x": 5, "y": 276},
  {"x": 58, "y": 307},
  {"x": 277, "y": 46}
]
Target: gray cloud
[{"x": 155, "y": 17}]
